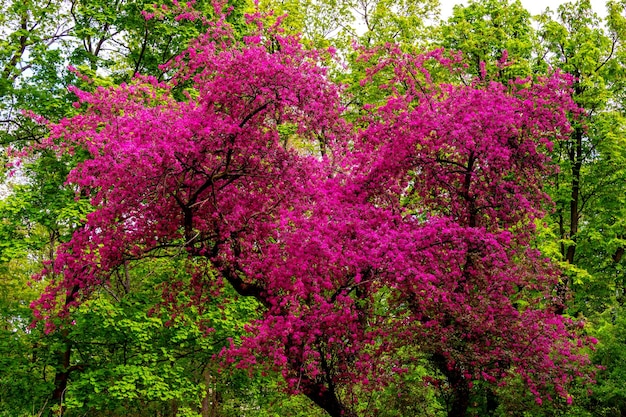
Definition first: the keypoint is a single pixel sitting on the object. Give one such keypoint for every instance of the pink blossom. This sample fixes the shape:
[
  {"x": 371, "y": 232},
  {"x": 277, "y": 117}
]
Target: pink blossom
[{"x": 428, "y": 205}]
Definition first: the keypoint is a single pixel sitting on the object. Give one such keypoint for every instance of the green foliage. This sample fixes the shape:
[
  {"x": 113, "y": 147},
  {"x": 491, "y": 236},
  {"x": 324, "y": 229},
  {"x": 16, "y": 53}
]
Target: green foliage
[
  {"x": 589, "y": 189},
  {"x": 484, "y": 30},
  {"x": 610, "y": 393},
  {"x": 409, "y": 395},
  {"x": 25, "y": 379},
  {"x": 128, "y": 359},
  {"x": 340, "y": 22}
]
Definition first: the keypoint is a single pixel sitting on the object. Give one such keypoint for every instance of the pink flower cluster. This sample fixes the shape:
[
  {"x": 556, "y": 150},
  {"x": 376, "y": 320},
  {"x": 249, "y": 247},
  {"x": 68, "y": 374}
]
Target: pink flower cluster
[{"x": 410, "y": 228}]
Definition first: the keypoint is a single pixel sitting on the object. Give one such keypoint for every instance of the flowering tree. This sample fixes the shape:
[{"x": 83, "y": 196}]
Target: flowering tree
[
  {"x": 468, "y": 162},
  {"x": 410, "y": 228}
]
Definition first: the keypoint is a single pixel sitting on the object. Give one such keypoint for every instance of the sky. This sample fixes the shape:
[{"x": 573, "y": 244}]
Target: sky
[{"x": 533, "y": 6}]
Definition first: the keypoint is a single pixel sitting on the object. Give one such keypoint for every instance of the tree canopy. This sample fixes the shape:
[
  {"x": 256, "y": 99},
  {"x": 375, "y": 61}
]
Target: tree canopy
[
  {"x": 255, "y": 208},
  {"x": 418, "y": 218}
]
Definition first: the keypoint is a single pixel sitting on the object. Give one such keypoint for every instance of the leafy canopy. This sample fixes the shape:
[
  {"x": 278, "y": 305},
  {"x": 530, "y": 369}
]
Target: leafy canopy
[{"x": 411, "y": 229}]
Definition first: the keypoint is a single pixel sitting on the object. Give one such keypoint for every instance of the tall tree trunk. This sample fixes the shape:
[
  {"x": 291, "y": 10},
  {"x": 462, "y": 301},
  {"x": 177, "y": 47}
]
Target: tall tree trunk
[
  {"x": 62, "y": 374},
  {"x": 210, "y": 400},
  {"x": 575, "y": 156},
  {"x": 460, "y": 400},
  {"x": 492, "y": 402},
  {"x": 324, "y": 393},
  {"x": 459, "y": 387},
  {"x": 328, "y": 401}
]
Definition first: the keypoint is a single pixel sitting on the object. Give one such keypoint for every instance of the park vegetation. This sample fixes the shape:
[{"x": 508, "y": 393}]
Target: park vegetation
[{"x": 312, "y": 207}]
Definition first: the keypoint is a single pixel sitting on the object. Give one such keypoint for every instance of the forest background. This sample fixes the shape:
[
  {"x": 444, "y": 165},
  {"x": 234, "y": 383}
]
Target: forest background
[{"x": 119, "y": 355}]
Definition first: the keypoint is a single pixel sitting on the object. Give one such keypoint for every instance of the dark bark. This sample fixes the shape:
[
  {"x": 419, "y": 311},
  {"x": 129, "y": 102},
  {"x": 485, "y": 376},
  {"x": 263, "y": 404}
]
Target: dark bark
[
  {"x": 460, "y": 398},
  {"x": 62, "y": 375},
  {"x": 492, "y": 402},
  {"x": 459, "y": 387},
  {"x": 327, "y": 400},
  {"x": 9, "y": 70},
  {"x": 210, "y": 402},
  {"x": 619, "y": 253},
  {"x": 575, "y": 155},
  {"x": 64, "y": 369},
  {"x": 472, "y": 214},
  {"x": 323, "y": 391}
]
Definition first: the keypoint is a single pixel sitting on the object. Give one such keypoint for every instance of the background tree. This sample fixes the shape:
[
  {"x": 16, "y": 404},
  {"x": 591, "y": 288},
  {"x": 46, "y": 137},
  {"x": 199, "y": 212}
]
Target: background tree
[
  {"x": 589, "y": 190},
  {"x": 489, "y": 32},
  {"x": 591, "y": 172}
]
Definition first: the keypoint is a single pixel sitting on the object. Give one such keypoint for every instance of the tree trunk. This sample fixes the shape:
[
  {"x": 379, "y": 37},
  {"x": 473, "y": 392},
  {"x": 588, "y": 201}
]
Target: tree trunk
[
  {"x": 328, "y": 401},
  {"x": 460, "y": 402},
  {"x": 62, "y": 375},
  {"x": 459, "y": 387},
  {"x": 209, "y": 402},
  {"x": 575, "y": 156}
]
